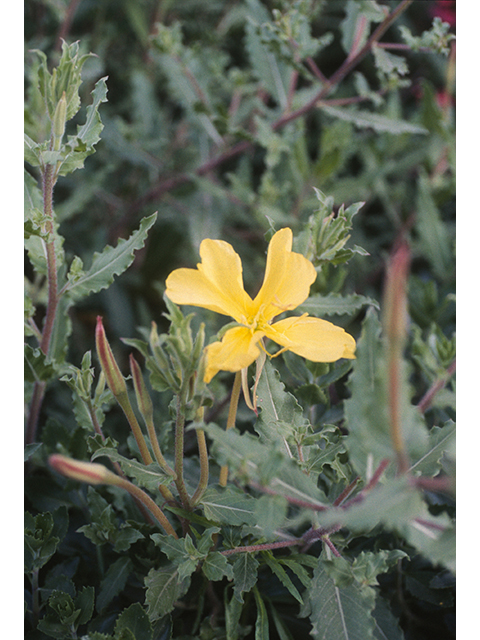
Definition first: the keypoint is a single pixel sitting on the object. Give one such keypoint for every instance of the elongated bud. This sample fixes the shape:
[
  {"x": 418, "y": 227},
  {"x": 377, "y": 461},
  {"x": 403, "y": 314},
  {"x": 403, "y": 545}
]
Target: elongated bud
[
  {"x": 113, "y": 375},
  {"x": 89, "y": 472},
  {"x": 143, "y": 398},
  {"x": 395, "y": 296},
  {"x": 59, "y": 120}
]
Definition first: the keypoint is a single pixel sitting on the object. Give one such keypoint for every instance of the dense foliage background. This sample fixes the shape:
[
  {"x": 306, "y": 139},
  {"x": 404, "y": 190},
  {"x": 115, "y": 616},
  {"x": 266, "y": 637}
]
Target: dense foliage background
[{"x": 226, "y": 117}]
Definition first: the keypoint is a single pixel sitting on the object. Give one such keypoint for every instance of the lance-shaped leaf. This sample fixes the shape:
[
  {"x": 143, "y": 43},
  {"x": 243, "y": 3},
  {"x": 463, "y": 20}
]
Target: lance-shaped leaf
[
  {"x": 339, "y": 613},
  {"x": 367, "y": 414},
  {"x": 441, "y": 441},
  {"x": 244, "y": 574},
  {"x": 335, "y": 304},
  {"x": 148, "y": 476},
  {"x": 114, "y": 581},
  {"x": 280, "y": 414},
  {"x": 164, "y": 588},
  {"x": 81, "y": 145},
  {"x": 109, "y": 263},
  {"x": 366, "y": 120},
  {"x": 228, "y": 506},
  {"x": 256, "y": 463}
]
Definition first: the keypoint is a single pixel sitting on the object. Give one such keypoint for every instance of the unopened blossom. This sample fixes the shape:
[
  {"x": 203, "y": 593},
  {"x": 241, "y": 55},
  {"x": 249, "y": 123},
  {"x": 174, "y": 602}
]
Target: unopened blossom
[{"x": 217, "y": 284}]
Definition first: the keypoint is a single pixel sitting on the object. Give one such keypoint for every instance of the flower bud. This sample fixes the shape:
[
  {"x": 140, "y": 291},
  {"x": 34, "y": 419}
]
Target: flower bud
[
  {"x": 113, "y": 375},
  {"x": 59, "y": 120},
  {"x": 89, "y": 472},
  {"x": 143, "y": 398},
  {"x": 395, "y": 296}
]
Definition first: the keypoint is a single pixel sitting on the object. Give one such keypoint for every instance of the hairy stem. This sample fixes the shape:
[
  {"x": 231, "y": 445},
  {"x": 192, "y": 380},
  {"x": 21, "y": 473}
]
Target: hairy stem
[
  {"x": 427, "y": 399},
  {"x": 48, "y": 184},
  {"x": 203, "y": 457},
  {"x": 147, "y": 501},
  {"x": 179, "y": 450}
]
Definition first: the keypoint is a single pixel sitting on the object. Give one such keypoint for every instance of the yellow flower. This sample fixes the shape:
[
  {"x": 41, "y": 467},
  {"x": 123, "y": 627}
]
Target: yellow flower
[{"x": 217, "y": 284}]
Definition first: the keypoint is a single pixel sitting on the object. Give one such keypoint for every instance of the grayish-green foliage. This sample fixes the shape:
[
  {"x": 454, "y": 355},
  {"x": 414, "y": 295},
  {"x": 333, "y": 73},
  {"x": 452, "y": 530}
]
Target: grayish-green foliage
[{"x": 231, "y": 120}]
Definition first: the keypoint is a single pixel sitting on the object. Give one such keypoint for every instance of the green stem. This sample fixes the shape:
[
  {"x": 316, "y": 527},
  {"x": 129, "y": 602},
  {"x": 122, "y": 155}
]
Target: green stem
[
  {"x": 124, "y": 402},
  {"x": 48, "y": 184},
  {"x": 262, "y": 547},
  {"x": 203, "y": 457},
  {"x": 147, "y": 501},
  {"x": 152, "y": 434},
  {"x": 179, "y": 450},
  {"x": 232, "y": 415}
]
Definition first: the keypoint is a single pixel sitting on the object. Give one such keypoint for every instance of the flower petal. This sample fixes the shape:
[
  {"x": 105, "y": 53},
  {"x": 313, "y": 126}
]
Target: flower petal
[
  {"x": 216, "y": 284},
  {"x": 237, "y": 350},
  {"x": 287, "y": 280},
  {"x": 312, "y": 338}
]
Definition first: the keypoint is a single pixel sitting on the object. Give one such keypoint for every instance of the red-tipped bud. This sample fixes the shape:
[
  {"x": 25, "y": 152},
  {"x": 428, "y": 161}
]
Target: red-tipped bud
[
  {"x": 143, "y": 398},
  {"x": 89, "y": 472},
  {"x": 395, "y": 297},
  {"x": 113, "y": 375}
]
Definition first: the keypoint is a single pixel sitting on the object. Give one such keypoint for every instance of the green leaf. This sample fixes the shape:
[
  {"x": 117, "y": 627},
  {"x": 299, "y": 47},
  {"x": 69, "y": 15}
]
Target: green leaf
[
  {"x": 272, "y": 73},
  {"x": 114, "y": 581},
  {"x": 65, "y": 77},
  {"x": 271, "y": 512},
  {"x": 379, "y": 123},
  {"x": 109, "y": 263},
  {"x": 216, "y": 567},
  {"x": 435, "y": 239},
  {"x": 367, "y": 410},
  {"x": 31, "y": 450},
  {"x": 233, "y": 611},
  {"x": 440, "y": 441},
  {"x": 37, "y": 367},
  {"x": 148, "y": 476},
  {"x": 228, "y": 506},
  {"x": 84, "y": 602},
  {"x": 434, "y": 538},
  {"x": 164, "y": 588},
  {"x": 263, "y": 464},
  {"x": 181, "y": 552},
  {"x": 135, "y": 619},
  {"x": 280, "y": 414},
  {"x": 80, "y": 146},
  {"x": 386, "y": 624},
  {"x": 364, "y": 10},
  {"x": 339, "y": 613},
  {"x": 335, "y": 304},
  {"x": 368, "y": 565},
  {"x": 42, "y": 535},
  {"x": 244, "y": 574},
  {"x": 281, "y": 574},
  {"x": 400, "y": 505},
  {"x": 261, "y": 623}
]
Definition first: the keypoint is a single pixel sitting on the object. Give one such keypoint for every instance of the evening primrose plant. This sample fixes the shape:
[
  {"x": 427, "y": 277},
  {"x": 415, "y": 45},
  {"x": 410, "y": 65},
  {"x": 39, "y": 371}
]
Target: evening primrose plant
[{"x": 258, "y": 443}]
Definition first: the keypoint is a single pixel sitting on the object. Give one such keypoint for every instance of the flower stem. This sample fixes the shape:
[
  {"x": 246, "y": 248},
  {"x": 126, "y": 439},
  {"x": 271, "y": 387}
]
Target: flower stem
[
  {"x": 232, "y": 415},
  {"x": 124, "y": 403},
  {"x": 203, "y": 456},
  {"x": 48, "y": 184},
  {"x": 147, "y": 501},
  {"x": 179, "y": 450}
]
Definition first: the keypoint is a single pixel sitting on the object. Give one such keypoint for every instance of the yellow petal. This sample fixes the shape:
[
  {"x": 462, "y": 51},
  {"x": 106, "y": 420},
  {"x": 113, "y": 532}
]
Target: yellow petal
[
  {"x": 237, "y": 350},
  {"x": 288, "y": 277},
  {"x": 312, "y": 338},
  {"x": 216, "y": 284}
]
